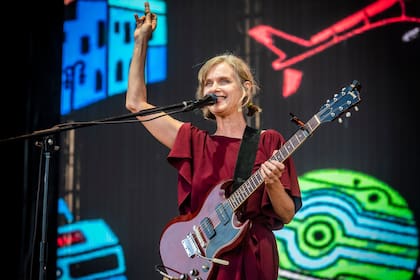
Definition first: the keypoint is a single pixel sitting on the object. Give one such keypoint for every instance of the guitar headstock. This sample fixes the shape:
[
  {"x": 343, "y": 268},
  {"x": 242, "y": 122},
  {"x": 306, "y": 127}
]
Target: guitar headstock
[{"x": 341, "y": 103}]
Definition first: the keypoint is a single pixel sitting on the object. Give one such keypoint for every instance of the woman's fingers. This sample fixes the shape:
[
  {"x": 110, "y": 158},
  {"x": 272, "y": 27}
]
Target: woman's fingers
[{"x": 272, "y": 170}]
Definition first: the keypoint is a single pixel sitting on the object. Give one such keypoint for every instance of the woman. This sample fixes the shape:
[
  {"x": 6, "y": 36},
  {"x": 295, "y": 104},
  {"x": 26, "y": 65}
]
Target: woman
[{"x": 204, "y": 159}]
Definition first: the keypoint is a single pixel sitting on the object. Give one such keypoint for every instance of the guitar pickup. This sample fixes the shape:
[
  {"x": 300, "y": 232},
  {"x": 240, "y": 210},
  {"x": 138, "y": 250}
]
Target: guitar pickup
[
  {"x": 222, "y": 213},
  {"x": 207, "y": 227}
]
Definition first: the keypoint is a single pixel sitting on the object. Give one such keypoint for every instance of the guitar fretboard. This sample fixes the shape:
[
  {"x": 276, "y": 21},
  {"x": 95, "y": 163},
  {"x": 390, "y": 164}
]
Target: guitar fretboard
[{"x": 255, "y": 180}]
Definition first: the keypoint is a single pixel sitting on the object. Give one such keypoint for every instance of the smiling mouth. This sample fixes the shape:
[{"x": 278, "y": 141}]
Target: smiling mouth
[{"x": 221, "y": 96}]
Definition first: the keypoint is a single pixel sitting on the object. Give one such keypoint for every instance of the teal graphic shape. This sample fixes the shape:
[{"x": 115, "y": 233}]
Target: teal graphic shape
[{"x": 351, "y": 226}]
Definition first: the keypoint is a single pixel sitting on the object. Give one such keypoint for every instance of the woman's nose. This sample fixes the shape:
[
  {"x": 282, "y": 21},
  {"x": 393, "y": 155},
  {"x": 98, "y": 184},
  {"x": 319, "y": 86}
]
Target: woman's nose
[{"x": 215, "y": 87}]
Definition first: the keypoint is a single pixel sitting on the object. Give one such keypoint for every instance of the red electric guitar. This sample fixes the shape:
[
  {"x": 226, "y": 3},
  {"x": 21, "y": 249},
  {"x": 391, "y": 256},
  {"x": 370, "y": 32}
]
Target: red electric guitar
[{"x": 190, "y": 245}]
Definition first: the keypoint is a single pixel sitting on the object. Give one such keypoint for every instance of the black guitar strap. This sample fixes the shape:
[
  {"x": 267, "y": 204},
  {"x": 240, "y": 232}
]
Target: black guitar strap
[
  {"x": 245, "y": 162},
  {"x": 246, "y": 156}
]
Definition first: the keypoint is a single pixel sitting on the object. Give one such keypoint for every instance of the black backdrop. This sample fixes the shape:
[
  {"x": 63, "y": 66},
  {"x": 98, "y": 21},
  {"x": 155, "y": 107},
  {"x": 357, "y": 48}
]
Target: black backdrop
[
  {"x": 122, "y": 172},
  {"x": 31, "y": 60}
]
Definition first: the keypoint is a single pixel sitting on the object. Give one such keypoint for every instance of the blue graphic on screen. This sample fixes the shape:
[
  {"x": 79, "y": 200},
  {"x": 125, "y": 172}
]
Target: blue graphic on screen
[
  {"x": 97, "y": 50},
  {"x": 87, "y": 249}
]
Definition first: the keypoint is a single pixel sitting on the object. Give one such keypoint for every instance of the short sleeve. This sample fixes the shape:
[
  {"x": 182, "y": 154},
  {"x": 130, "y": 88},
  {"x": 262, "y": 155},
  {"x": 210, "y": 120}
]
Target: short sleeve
[{"x": 180, "y": 157}]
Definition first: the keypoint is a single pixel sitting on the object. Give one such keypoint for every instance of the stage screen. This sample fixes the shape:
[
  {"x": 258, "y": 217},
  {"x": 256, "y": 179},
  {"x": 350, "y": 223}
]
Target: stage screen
[{"x": 360, "y": 216}]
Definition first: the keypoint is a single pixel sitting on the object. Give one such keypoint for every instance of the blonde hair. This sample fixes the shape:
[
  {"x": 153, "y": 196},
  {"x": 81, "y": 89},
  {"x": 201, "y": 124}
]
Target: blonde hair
[{"x": 243, "y": 74}]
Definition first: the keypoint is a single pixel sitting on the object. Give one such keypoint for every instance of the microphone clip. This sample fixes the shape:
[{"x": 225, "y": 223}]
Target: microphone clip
[{"x": 208, "y": 99}]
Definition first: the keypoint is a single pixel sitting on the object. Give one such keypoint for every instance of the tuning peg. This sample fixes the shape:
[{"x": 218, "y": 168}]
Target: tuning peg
[
  {"x": 340, "y": 120},
  {"x": 356, "y": 108},
  {"x": 348, "y": 114}
]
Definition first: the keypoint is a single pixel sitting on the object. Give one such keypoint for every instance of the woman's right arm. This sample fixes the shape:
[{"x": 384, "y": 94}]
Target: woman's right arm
[{"x": 164, "y": 128}]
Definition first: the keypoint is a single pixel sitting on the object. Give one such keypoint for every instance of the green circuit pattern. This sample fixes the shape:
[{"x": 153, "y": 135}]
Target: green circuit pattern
[{"x": 351, "y": 226}]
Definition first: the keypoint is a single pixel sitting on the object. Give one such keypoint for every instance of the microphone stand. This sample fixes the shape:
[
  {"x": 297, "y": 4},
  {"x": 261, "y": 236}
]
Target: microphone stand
[{"x": 48, "y": 146}]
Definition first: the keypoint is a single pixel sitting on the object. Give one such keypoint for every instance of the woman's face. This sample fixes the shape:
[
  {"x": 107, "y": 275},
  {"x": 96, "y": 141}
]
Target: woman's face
[{"x": 224, "y": 83}]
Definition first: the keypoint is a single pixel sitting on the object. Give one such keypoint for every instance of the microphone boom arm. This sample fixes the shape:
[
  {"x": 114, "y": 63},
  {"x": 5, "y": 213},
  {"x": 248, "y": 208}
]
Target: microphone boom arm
[{"x": 183, "y": 106}]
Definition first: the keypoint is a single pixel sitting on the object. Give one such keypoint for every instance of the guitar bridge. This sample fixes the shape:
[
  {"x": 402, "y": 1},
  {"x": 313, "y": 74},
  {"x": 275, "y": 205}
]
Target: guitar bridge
[
  {"x": 199, "y": 237},
  {"x": 190, "y": 246}
]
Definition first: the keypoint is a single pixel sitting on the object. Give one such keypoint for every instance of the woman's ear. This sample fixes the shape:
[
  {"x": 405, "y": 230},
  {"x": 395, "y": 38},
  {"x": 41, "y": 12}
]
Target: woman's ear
[
  {"x": 247, "y": 85},
  {"x": 247, "y": 94}
]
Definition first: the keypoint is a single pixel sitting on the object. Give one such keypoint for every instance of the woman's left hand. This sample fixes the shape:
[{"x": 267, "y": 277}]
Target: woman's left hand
[{"x": 271, "y": 171}]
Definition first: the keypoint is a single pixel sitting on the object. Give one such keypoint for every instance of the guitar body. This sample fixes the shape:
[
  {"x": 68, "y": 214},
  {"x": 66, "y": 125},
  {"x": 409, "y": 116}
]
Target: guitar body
[{"x": 190, "y": 244}]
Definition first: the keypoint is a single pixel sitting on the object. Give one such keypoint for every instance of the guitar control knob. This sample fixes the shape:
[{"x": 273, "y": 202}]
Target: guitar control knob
[
  {"x": 205, "y": 267},
  {"x": 193, "y": 272}
]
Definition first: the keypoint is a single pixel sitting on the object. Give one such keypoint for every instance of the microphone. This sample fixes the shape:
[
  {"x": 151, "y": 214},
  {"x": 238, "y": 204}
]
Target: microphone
[{"x": 208, "y": 99}]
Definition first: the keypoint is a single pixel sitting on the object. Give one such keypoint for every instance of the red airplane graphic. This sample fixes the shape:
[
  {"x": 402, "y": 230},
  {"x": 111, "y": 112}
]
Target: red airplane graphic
[{"x": 357, "y": 23}]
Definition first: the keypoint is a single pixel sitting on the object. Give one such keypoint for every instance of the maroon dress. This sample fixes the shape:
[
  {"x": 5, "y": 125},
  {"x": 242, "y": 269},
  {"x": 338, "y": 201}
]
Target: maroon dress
[{"x": 203, "y": 161}]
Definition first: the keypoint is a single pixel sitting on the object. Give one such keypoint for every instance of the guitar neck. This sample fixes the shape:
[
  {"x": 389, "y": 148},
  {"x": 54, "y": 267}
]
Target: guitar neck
[{"x": 238, "y": 197}]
